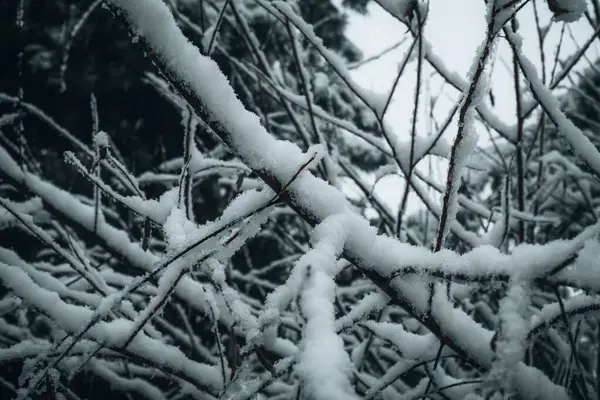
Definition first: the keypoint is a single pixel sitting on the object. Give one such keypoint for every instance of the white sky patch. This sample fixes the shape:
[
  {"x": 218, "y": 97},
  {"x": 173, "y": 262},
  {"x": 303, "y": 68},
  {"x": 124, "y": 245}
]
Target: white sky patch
[{"x": 454, "y": 29}]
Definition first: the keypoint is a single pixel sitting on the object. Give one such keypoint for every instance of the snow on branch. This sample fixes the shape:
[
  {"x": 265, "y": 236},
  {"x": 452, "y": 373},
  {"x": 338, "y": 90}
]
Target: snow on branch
[
  {"x": 285, "y": 290},
  {"x": 277, "y": 162},
  {"x": 109, "y": 334},
  {"x": 580, "y": 143}
]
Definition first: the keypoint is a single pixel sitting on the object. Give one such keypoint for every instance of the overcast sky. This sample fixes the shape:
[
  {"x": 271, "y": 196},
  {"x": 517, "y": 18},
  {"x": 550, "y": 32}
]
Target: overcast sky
[{"x": 455, "y": 28}]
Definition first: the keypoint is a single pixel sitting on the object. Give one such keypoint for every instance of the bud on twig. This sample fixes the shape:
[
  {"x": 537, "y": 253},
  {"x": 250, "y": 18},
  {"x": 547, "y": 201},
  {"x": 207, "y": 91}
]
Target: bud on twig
[
  {"x": 567, "y": 10},
  {"x": 101, "y": 144}
]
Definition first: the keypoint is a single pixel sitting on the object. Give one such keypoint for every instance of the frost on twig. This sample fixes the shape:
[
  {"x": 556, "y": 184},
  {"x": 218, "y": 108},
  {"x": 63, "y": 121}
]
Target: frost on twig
[{"x": 466, "y": 137}]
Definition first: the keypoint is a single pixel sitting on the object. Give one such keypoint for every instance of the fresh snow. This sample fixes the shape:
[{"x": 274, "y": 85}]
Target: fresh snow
[{"x": 399, "y": 274}]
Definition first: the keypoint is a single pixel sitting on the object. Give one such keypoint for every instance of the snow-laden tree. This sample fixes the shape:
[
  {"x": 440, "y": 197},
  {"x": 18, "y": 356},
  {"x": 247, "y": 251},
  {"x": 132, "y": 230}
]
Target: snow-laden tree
[
  {"x": 138, "y": 292},
  {"x": 555, "y": 184}
]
